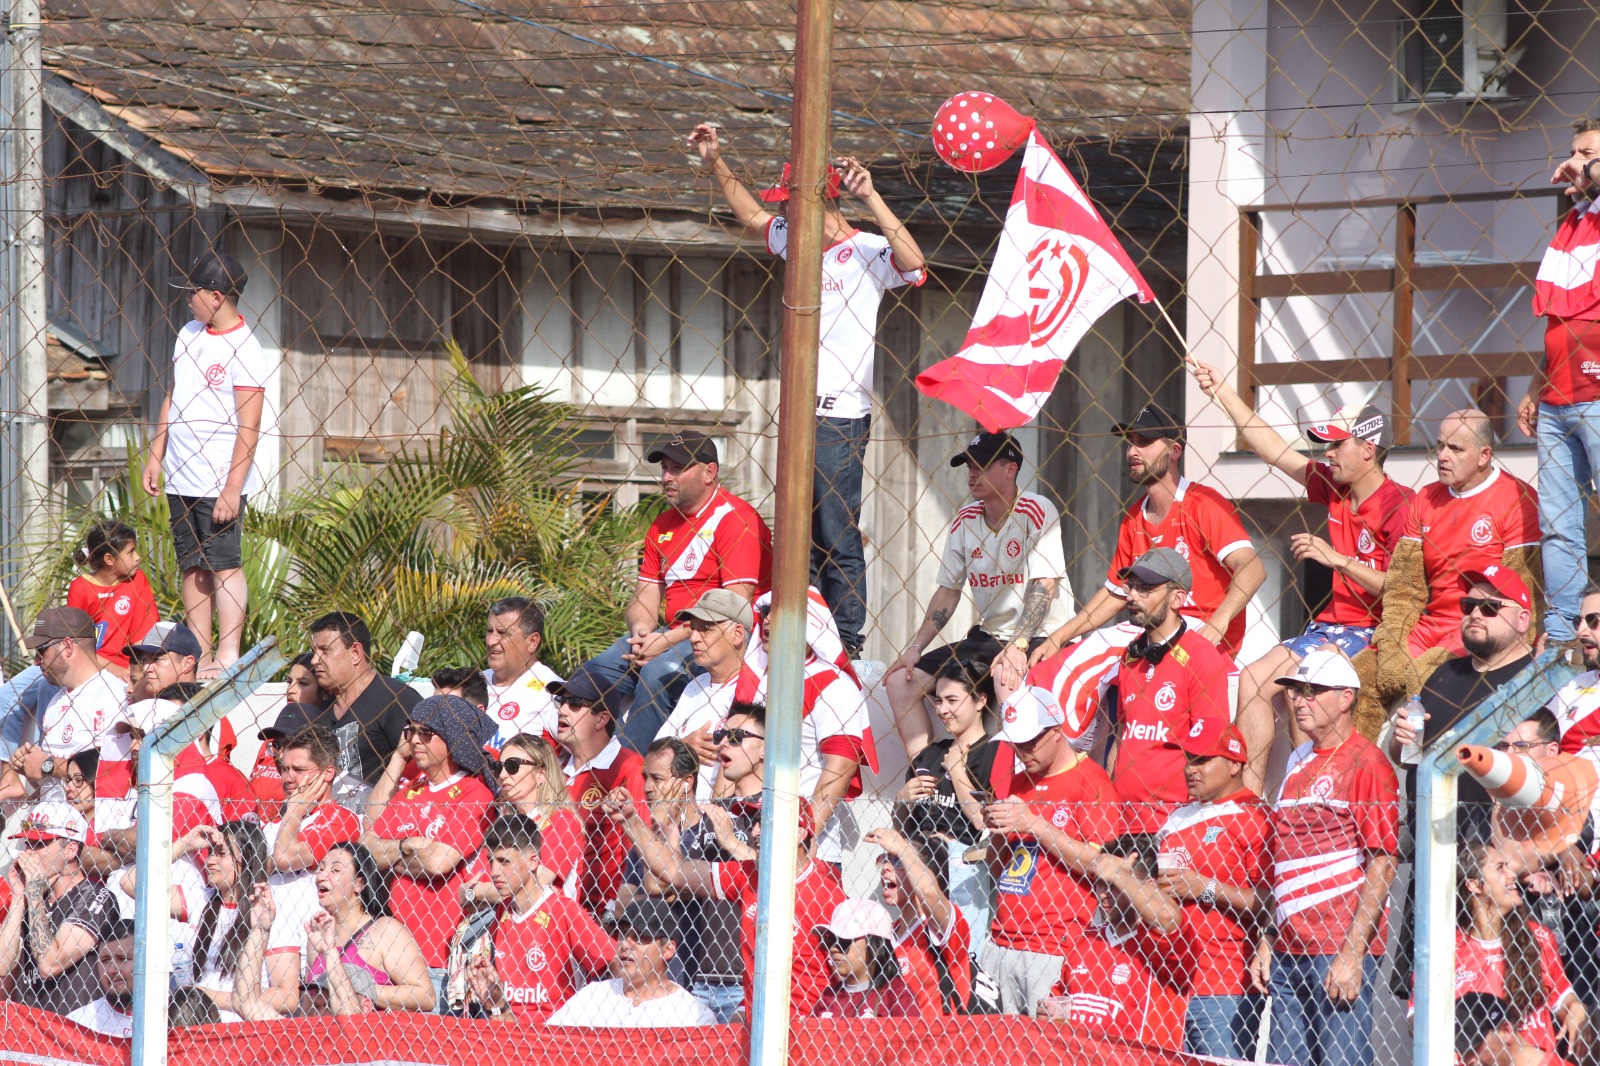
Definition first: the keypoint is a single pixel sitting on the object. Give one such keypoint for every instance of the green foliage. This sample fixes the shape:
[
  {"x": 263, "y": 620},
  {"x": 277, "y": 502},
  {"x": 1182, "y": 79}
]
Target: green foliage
[{"x": 489, "y": 508}]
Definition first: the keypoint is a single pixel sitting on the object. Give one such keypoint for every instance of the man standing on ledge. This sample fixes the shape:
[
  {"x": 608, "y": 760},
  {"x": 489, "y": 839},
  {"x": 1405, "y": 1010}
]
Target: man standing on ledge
[{"x": 857, "y": 268}]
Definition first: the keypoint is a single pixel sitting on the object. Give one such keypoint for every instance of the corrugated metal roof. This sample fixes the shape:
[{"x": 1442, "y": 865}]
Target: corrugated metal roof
[{"x": 546, "y": 104}]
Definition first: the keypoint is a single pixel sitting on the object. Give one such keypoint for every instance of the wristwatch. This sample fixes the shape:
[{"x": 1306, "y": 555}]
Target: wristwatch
[
  {"x": 48, "y": 767},
  {"x": 1021, "y": 643},
  {"x": 1208, "y": 896}
]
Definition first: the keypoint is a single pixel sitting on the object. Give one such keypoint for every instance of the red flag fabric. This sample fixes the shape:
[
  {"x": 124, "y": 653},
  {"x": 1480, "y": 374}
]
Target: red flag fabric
[{"x": 1057, "y": 270}]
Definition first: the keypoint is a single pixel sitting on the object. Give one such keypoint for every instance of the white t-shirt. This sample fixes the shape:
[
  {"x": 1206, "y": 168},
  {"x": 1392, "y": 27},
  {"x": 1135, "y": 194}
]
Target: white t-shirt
[
  {"x": 103, "y": 1018},
  {"x": 603, "y": 1005},
  {"x": 288, "y": 934},
  {"x": 203, "y": 420},
  {"x": 996, "y": 565},
  {"x": 855, "y": 274},
  {"x": 523, "y": 705},
  {"x": 79, "y": 719},
  {"x": 704, "y": 705}
]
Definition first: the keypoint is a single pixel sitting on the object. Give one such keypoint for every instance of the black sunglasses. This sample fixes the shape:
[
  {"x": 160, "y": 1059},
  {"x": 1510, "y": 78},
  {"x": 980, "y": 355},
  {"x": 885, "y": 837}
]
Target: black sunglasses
[
  {"x": 1485, "y": 607},
  {"x": 735, "y": 736},
  {"x": 1592, "y": 621},
  {"x": 832, "y": 941},
  {"x": 418, "y": 732},
  {"x": 512, "y": 766}
]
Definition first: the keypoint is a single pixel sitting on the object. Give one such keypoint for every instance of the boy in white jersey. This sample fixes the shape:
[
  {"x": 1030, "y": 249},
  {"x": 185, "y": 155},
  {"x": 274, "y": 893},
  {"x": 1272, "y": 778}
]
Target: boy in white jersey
[
  {"x": 857, "y": 268},
  {"x": 205, "y": 446},
  {"x": 518, "y": 700},
  {"x": 1005, "y": 547}
]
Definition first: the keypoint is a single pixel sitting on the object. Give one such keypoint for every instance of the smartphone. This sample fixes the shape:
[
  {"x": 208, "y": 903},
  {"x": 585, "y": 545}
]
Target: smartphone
[
  {"x": 923, "y": 771},
  {"x": 983, "y": 796}
]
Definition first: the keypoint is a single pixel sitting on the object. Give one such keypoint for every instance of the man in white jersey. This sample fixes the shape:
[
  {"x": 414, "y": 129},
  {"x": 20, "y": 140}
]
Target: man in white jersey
[
  {"x": 857, "y": 268},
  {"x": 82, "y": 714},
  {"x": 719, "y": 630},
  {"x": 205, "y": 446},
  {"x": 518, "y": 702},
  {"x": 1005, "y": 546}
]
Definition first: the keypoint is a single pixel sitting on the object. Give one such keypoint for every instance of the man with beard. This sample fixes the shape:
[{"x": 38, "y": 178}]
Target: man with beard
[{"x": 1197, "y": 522}]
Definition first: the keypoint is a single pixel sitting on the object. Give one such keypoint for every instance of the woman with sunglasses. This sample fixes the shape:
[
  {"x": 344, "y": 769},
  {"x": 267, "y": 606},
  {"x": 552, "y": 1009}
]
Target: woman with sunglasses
[
  {"x": 532, "y": 783},
  {"x": 859, "y": 940}
]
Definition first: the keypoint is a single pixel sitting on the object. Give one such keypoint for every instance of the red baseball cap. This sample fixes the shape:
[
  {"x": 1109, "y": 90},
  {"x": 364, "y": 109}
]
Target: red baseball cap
[
  {"x": 1210, "y": 737},
  {"x": 780, "y": 192},
  {"x": 1504, "y": 580}
]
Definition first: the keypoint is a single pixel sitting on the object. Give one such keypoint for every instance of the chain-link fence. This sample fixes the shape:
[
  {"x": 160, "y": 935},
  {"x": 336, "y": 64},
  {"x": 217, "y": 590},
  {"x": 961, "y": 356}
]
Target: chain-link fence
[{"x": 357, "y": 324}]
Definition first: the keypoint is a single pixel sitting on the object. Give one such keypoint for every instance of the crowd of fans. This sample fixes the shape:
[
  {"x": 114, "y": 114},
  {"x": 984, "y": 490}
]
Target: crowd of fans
[{"x": 1092, "y": 828}]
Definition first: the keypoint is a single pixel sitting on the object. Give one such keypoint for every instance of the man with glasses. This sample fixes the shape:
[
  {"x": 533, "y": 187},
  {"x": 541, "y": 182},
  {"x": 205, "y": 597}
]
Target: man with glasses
[
  {"x": 742, "y": 751},
  {"x": 1043, "y": 843},
  {"x": 1575, "y": 705},
  {"x": 57, "y": 916},
  {"x": 707, "y": 539},
  {"x": 596, "y": 764},
  {"x": 91, "y": 701},
  {"x": 1171, "y": 679},
  {"x": 719, "y": 633},
  {"x": 1335, "y": 831}
]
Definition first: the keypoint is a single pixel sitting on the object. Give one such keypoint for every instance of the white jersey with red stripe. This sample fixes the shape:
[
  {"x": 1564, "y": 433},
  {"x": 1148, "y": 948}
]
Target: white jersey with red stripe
[
  {"x": 1074, "y": 680},
  {"x": 523, "y": 705},
  {"x": 822, "y": 636},
  {"x": 996, "y": 565}
]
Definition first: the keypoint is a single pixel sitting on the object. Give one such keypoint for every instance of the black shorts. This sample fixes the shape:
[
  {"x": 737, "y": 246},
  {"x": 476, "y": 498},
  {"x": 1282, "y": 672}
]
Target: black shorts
[
  {"x": 975, "y": 652},
  {"x": 200, "y": 542}
]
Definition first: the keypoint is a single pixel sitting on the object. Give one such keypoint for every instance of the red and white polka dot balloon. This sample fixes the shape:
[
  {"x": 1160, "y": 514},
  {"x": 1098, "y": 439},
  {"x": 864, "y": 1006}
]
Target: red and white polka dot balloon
[{"x": 976, "y": 131}]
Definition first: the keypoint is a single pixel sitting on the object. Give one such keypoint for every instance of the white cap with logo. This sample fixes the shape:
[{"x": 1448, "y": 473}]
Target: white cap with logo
[{"x": 1323, "y": 666}]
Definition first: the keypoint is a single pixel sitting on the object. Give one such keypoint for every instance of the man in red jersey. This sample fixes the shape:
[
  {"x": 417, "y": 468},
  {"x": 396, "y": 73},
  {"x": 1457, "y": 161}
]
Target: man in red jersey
[
  {"x": 1475, "y": 516},
  {"x": 1042, "y": 847},
  {"x": 1171, "y": 678},
  {"x": 708, "y": 538},
  {"x": 596, "y": 764},
  {"x": 1195, "y": 521},
  {"x": 1212, "y": 856},
  {"x": 1486, "y": 1035},
  {"x": 1366, "y": 515},
  {"x": 816, "y": 894},
  {"x": 544, "y": 945},
  {"x": 1335, "y": 831},
  {"x": 1562, "y": 409}
]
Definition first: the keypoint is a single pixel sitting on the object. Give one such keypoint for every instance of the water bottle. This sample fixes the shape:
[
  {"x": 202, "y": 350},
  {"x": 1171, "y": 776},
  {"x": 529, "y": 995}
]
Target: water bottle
[
  {"x": 182, "y": 967},
  {"x": 1411, "y": 753},
  {"x": 407, "y": 658}
]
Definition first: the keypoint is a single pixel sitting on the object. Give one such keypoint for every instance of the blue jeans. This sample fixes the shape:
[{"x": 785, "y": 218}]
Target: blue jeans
[
  {"x": 21, "y": 700},
  {"x": 722, "y": 1000},
  {"x": 1224, "y": 1027},
  {"x": 655, "y": 688},
  {"x": 838, "y": 558},
  {"x": 1568, "y": 437},
  {"x": 1307, "y": 1029}
]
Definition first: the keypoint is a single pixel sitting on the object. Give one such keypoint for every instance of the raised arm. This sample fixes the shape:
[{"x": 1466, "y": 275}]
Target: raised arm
[
  {"x": 1259, "y": 437},
  {"x": 902, "y": 245},
  {"x": 693, "y": 876},
  {"x": 746, "y": 208},
  {"x": 919, "y": 878}
]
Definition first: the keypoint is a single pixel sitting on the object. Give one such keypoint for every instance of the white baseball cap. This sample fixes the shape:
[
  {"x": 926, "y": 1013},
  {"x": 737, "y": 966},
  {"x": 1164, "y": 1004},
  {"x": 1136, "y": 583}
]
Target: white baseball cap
[
  {"x": 1030, "y": 711},
  {"x": 856, "y": 918},
  {"x": 146, "y": 715},
  {"x": 54, "y": 820},
  {"x": 1323, "y": 666}
]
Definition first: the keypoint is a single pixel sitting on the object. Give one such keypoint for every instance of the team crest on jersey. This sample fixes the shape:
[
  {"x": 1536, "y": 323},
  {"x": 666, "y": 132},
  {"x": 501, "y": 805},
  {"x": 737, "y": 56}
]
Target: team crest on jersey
[
  {"x": 1213, "y": 835},
  {"x": 592, "y": 797},
  {"x": 1121, "y": 973},
  {"x": 535, "y": 959},
  {"x": 1013, "y": 548},
  {"x": 1177, "y": 859},
  {"x": 690, "y": 560},
  {"x": 66, "y": 733},
  {"x": 123, "y": 605},
  {"x": 1482, "y": 530},
  {"x": 216, "y": 374},
  {"x": 1166, "y": 697},
  {"x": 508, "y": 711},
  {"x": 1060, "y": 818},
  {"x": 1321, "y": 788},
  {"x": 1364, "y": 543},
  {"x": 845, "y": 253},
  {"x": 1181, "y": 546}
]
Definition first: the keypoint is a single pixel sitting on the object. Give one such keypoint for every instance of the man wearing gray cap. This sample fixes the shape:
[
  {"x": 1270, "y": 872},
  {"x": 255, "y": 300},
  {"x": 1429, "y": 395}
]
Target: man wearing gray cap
[
  {"x": 1171, "y": 679},
  {"x": 1366, "y": 518},
  {"x": 719, "y": 629},
  {"x": 90, "y": 701}
]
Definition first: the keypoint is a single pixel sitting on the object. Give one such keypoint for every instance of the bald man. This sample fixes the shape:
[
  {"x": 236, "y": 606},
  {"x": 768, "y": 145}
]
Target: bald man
[{"x": 1475, "y": 517}]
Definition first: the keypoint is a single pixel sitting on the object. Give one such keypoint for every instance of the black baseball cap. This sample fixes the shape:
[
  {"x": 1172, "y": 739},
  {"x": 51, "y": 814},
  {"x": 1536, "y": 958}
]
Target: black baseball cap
[
  {"x": 291, "y": 720},
  {"x": 214, "y": 270},
  {"x": 589, "y": 686},
  {"x": 985, "y": 448},
  {"x": 1153, "y": 420},
  {"x": 651, "y": 918},
  {"x": 685, "y": 449}
]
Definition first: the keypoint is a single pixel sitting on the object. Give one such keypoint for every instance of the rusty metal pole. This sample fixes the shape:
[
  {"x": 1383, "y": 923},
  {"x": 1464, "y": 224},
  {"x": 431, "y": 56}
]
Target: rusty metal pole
[{"x": 791, "y": 569}]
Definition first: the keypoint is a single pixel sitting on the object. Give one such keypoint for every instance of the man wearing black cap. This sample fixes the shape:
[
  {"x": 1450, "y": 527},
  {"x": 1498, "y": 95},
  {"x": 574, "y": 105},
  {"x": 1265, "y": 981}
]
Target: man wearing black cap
[
  {"x": 1366, "y": 518},
  {"x": 642, "y": 996},
  {"x": 709, "y": 538},
  {"x": 1005, "y": 547},
  {"x": 1197, "y": 522},
  {"x": 857, "y": 268},
  {"x": 205, "y": 446}
]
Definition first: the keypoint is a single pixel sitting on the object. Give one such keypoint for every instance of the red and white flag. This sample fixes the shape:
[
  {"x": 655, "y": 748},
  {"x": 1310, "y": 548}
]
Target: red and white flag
[{"x": 1057, "y": 270}]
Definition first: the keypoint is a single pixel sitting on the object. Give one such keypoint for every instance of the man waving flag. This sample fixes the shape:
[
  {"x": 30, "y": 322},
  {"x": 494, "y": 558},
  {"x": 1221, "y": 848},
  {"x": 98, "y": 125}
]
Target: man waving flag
[{"x": 1057, "y": 270}]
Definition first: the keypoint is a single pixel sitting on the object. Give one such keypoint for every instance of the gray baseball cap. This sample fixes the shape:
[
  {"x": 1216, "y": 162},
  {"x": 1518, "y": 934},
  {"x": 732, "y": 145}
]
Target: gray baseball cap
[{"x": 1159, "y": 566}]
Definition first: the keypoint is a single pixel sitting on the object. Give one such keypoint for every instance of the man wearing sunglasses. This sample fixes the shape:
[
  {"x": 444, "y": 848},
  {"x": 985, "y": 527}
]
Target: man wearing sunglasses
[
  {"x": 89, "y": 703},
  {"x": 1575, "y": 705}
]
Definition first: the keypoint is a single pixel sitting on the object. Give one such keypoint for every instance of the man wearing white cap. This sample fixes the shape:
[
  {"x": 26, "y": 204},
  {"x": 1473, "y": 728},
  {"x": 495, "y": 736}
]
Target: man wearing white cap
[
  {"x": 1335, "y": 834},
  {"x": 1046, "y": 835},
  {"x": 49, "y": 936},
  {"x": 1366, "y": 516}
]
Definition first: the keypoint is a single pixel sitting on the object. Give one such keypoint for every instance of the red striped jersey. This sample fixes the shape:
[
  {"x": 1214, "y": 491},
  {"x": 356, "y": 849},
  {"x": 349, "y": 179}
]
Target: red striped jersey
[
  {"x": 724, "y": 543},
  {"x": 1126, "y": 985}
]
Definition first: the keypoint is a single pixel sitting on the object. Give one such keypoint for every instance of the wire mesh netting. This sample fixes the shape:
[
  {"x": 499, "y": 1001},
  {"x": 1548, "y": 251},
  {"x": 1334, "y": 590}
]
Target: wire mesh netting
[{"x": 440, "y": 342}]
